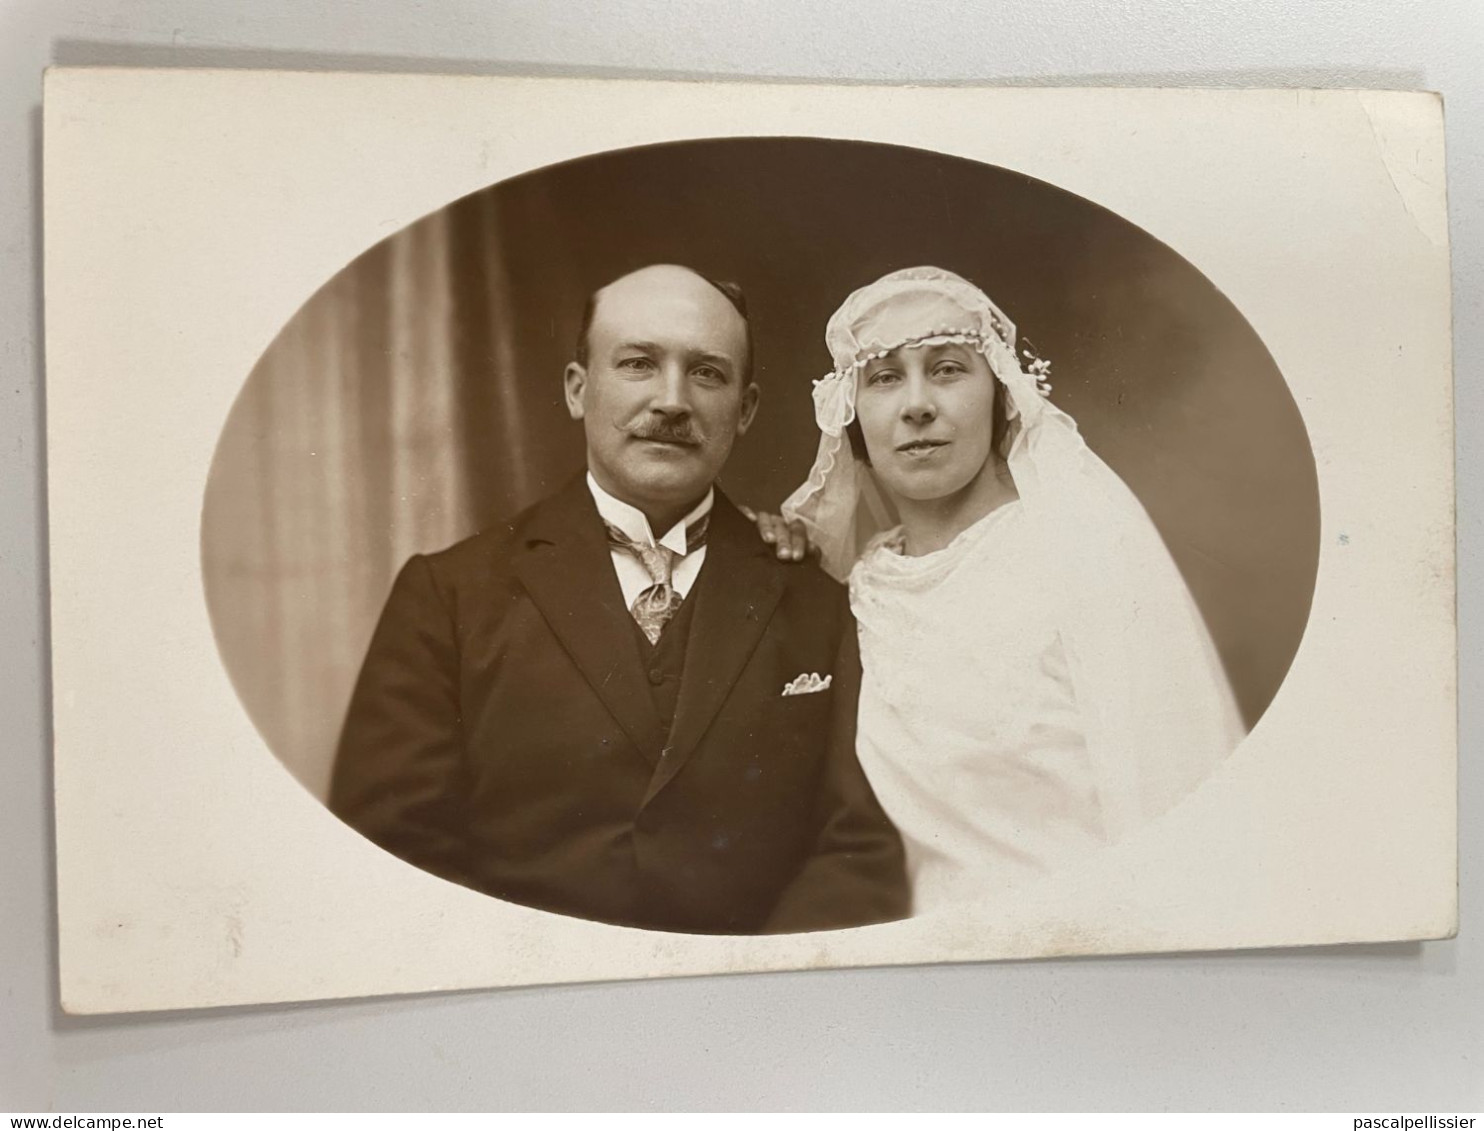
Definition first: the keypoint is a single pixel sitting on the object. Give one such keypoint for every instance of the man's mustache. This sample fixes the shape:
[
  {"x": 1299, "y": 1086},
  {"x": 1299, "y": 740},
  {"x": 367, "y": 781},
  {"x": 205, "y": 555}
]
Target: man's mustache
[{"x": 667, "y": 431}]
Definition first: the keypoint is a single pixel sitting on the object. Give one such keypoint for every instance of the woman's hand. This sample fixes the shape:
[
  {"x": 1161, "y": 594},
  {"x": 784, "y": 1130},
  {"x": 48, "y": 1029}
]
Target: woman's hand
[{"x": 788, "y": 538}]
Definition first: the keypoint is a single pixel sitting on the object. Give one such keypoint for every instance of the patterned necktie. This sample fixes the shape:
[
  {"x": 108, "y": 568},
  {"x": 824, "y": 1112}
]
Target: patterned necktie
[{"x": 654, "y": 607}]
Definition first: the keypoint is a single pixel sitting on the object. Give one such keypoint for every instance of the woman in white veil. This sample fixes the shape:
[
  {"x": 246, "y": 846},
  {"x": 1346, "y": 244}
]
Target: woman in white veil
[{"x": 1037, "y": 680}]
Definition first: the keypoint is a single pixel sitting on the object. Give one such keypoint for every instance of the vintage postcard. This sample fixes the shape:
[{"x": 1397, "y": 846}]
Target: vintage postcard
[{"x": 511, "y": 531}]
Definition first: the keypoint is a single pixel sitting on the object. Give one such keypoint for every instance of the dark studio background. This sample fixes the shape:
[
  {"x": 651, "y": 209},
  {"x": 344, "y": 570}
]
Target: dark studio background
[{"x": 417, "y": 396}]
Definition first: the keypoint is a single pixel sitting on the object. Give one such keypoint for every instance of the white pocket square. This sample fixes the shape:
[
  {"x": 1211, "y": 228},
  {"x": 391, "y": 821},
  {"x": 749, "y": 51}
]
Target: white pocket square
[{"x": 807, "y": 683}]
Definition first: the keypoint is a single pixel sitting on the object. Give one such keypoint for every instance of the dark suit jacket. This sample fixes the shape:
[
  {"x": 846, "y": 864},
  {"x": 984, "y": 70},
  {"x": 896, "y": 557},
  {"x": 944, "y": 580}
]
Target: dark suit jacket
[{"x": 502, "y": 734}]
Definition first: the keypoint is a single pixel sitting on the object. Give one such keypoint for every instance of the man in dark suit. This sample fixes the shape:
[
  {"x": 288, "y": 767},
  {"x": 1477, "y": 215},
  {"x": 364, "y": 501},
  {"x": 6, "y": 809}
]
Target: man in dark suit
[{"x": 577, "y": 713}]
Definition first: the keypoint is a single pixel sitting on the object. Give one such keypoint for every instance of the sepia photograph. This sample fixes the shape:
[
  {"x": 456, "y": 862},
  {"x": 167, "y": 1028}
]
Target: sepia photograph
[
  {"x": 486, "y": 539},
  {"x": 688, "y": 528}
]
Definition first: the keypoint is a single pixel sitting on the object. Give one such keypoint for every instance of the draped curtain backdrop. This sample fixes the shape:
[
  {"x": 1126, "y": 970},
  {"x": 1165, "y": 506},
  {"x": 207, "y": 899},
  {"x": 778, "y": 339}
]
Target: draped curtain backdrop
[
  {"x": 366, "y": 433},
  {"x": 416, "y": 398}
]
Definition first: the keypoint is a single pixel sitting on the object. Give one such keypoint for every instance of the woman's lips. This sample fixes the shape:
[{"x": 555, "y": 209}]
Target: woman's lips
[{"x": 921, "y": 447}]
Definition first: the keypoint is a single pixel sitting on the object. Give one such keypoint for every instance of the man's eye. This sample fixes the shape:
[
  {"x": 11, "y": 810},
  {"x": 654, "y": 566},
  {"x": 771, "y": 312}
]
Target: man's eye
[
  {"x": 709, "y": 374},
  {"x": 638, "y": 364}
]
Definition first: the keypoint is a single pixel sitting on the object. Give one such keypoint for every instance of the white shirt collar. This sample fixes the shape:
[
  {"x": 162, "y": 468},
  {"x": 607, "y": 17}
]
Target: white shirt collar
[{"x": 631, "y": 519}]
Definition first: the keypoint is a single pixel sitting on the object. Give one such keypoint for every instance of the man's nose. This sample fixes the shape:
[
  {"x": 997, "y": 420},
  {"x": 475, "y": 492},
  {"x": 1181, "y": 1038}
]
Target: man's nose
[{"x": 672, "y": 397}]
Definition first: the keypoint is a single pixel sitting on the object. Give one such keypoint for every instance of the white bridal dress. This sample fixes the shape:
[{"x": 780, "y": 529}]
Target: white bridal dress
[
  {"x": 1043, "y": 685},
  {"x": 969, "y": 728}
]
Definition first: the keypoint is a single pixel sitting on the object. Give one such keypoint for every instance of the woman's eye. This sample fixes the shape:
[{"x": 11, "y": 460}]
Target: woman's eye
[
  {"x": 948, "y": 368},
  {"x": 883, "y": 377}
]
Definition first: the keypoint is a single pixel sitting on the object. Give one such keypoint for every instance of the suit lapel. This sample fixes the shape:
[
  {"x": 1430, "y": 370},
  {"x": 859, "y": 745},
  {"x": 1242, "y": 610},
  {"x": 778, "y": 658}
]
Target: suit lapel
[
  {"x": 736, "y": 593},
  {"x": 568, "y": 571}
]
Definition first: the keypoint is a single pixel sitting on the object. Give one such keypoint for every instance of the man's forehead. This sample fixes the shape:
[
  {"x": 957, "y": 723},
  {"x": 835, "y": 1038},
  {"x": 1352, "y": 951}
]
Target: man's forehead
[
  {"x": 673, "y": 285},
  {"x": 664, "y": 306}
]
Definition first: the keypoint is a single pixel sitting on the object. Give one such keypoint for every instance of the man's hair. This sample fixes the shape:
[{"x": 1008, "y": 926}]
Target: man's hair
[{"x": 731, "y": 291}]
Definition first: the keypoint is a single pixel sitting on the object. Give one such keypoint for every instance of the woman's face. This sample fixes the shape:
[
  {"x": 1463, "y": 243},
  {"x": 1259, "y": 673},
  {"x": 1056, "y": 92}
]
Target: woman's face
[{"x": 927, "y": 416}]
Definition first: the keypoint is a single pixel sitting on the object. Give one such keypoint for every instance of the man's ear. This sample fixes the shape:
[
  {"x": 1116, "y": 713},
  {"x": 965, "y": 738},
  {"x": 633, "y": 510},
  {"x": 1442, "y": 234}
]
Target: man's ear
[
  {"x": 750, "y": 397},
  {"x": 574, "y": 384}
]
